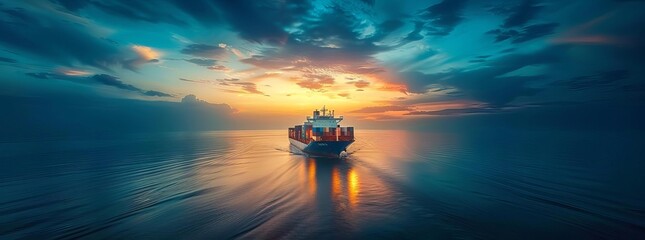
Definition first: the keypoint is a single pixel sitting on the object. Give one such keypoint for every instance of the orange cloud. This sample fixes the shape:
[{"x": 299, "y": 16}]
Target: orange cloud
[
  {"x": 71, "y": 72},
  {"x": 579, "y": 34},
  {"x": 146, "y": 53},
  {"x": 599, "y": 39}
]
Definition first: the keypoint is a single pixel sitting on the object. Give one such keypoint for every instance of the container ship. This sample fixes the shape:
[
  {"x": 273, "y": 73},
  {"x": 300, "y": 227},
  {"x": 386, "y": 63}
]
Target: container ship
[{"x": 321, "y": 135}]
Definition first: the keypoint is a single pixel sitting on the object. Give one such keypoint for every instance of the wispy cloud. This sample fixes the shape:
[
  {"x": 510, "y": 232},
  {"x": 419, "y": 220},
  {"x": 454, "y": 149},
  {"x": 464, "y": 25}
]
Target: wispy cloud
[
  {"x": 382, "y": 109},
  {"x": 102, "y": 79},
  {"x": 443, "y": 16}
]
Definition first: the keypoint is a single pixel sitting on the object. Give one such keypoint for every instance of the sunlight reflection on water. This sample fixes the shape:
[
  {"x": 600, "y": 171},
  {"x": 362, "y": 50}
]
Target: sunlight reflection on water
[{"x": 252, "y": 184}]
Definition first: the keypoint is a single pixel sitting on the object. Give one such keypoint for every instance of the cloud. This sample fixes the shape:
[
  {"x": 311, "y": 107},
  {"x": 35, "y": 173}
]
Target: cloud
[
  {"x": 67, "y": 43},
  {"x": 204, "y": 62},
  {"x": 110, "y": 80},
  {"x": 525, "y": 34},
  {"x": 204, "y": 11},
  {"x": 74, "y": 115},
  {"x": 61, "y": 42},
  {"x": 228, "y": 79},
  {"x": 390, "y": 25},
  {"x": 345, "y": 95},
  {"x": 458, "y": 111},
  {"x": 514, "y": 26},
  {"x": 315, "y": 82},
  {"x": 144, "y": 55},
  {"x": 382, "y": 117},
  {"x": 382, "y": 109},
  {"x": 219, "y": 68},
  {"x": 204, "y": 50},
  {"x": 73, "y": 72},
  {"x": 488, "y": 84},
  {"x": 359, "y": 83},
  {"x": 156, "y": 94},
  {"x": 153, "y": 12},
  {"x": 262, "y": 22},
  {"x": 8, "y": 60},
  {"x": 73, "y": 5},
  {"x": 194, "y": 81},
  {"x": 416, "y": 33},
  {"x": 249, "y": 87},
  {"x": 330, "y": 40},
  {"x": 191, "y": 99},
  {"x": 45, "y": 75},
  {"x": 521, "y": 14},
  {"x": 245, "y": 87},
  {"x": 443, "y": 16},
  {"x": 103, "y": 79},
  {"x": 601, "y": 79}
]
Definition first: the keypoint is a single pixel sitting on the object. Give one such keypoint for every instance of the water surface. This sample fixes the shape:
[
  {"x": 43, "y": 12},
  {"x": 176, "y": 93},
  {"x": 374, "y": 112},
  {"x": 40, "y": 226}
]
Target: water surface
[{"x": 394, "y": 184}]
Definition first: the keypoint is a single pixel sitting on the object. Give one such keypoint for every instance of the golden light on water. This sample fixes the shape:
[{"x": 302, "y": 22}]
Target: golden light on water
[
  {"x": 311, "y": 176},
  {"x": 341, "y": 184},
  {"x": 335, "y": 182},
  {"x": 353, "y": 187}
]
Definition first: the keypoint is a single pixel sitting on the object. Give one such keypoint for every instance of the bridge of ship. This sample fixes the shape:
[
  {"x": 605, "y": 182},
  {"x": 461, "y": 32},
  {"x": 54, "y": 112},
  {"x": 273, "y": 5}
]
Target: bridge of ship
[{"x": 322, "y": 127}]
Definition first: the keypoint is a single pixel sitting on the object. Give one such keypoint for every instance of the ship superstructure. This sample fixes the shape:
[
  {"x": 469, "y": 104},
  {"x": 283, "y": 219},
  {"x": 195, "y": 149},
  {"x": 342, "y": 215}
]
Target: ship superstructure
[{"x": 322, "y": 135}]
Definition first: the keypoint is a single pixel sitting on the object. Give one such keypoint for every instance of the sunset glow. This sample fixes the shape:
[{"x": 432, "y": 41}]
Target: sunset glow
[
  {"x": 382, "y": 64},
  {"x": 322, "y": 119}
]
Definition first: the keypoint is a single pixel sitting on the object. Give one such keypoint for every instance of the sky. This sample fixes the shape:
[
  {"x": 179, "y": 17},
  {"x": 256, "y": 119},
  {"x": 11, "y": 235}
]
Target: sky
[{"x": 268, "y": 64}]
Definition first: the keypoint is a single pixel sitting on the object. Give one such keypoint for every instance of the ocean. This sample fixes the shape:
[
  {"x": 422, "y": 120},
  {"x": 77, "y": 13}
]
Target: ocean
[{"x": 393, "y": 185}]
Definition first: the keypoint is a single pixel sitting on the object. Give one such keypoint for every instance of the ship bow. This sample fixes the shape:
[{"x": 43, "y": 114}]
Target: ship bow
[{"x": 327, "y": 148}]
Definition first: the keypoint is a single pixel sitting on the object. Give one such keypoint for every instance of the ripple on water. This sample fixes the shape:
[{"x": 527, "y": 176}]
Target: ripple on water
[{"x": 393, "y": 184}]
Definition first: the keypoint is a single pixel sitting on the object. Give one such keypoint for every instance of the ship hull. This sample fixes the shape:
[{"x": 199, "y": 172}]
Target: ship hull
[{"x": 322, "y": 148}]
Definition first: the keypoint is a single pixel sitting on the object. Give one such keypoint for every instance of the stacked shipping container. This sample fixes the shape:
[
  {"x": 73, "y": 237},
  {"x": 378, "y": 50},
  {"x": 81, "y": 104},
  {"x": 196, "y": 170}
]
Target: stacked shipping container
[{"x": 307, "y": 133}]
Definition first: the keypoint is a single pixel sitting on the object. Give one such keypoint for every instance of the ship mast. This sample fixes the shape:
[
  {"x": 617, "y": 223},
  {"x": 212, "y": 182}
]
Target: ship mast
[{"x": 327, "y": 115}]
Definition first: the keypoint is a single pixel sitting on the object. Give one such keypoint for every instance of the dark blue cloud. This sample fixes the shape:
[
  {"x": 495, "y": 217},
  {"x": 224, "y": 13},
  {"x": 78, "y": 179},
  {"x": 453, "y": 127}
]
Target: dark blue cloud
[
  {"x": 416, "y": 33},
  {"x": 443, "y": 17},
  {"x": 103, "y": 79},
  {"x": 515, "y": 25},
  {"x": 524, "y": 34},
  {"x": 153, "y": 93},
  {"x": 61, "y": 42},
  {"x": 488, "y": 84},
  {"x": 113, "y": 81},
  {"x": 605, "y": 79},
  {"x": 254, "y": 21},
  {"x": 522, "y": 13},
  {"x": 204, "y": 11},
  {"x": 263, "y": 22},
  {"x": 331, "y": 39},
  {"x": 73, "y": 5},
  {"x": 139, "y": 10},
  {"x": 203, "y": 50},
  {"x": 46, "y": 75},
  {"x": 8, "y": 60},
  {"x": 205, "y": 62},
  {"x": 391, "y": 25}
]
